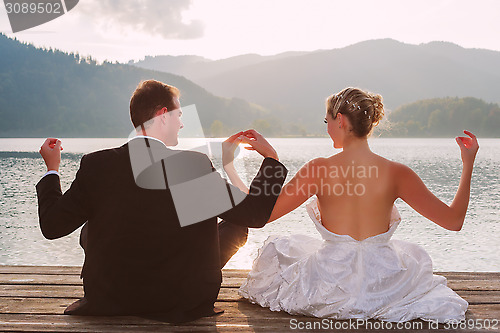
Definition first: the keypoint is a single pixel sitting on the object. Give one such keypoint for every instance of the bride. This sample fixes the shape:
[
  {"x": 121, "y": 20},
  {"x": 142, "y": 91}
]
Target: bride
[{"x": 356, "y": 270}]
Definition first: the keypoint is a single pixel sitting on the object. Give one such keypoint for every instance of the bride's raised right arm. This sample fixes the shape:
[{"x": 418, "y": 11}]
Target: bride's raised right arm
[{"x": 413, "y": 191}]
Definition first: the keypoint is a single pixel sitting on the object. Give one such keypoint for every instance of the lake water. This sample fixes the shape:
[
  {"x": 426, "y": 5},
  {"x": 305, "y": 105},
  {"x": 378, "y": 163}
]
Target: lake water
[{"x": 437, "y": 161}]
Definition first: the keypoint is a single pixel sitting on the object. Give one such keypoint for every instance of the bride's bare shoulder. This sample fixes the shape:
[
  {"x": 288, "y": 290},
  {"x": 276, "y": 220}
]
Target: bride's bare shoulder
[
  {"x": 393, "y": 167},
  {"x": 333, "y": 158},
  {"x": 312, "y": 167},
  {"x": 324, "y": 161},
  {"x": 399, "y": 169},
  {"x": 314, "y": 163}
]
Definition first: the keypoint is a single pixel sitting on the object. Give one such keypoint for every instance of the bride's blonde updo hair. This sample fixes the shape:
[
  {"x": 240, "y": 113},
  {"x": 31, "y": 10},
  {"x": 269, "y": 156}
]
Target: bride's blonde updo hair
[{"x": 363, "y": 109}]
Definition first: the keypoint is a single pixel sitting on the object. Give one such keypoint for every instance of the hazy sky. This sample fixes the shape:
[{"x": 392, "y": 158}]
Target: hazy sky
[{"x": 125, "y": 29}]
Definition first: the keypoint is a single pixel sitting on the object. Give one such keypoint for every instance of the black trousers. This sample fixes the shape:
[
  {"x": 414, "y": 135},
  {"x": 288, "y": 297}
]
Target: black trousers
[{"x": 231, "y": 238}]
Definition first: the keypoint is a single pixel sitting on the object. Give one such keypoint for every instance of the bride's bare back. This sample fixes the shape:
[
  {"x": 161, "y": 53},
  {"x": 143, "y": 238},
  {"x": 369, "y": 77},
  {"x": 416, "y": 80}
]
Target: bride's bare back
[
  {"x": 356, "y": 195},
  {"x": 356, "y": 188}
]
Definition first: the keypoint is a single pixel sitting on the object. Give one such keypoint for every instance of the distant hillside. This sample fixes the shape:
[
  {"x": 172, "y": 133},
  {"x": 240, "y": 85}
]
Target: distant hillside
[
  {"x": 197, "y": 68},
  {"x": 294, "y": 87},
  {"x": 51, "y": 93},
  {"x": 445, "y": 117}
]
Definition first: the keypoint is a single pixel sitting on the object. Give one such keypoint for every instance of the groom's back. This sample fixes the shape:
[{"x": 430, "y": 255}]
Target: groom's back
[{"x": 138, "y": 257}]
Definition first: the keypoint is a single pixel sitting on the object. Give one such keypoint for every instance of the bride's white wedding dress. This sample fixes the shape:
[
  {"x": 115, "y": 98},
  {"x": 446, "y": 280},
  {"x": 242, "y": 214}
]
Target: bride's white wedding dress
[{"x": 340, "y": 277}]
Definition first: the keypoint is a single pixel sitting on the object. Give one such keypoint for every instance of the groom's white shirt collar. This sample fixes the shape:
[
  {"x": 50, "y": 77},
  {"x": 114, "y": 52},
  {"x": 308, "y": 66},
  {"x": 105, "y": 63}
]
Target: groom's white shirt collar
[
  {"x": 50, "y": 172},
  {"x": 147, "y": 137}
]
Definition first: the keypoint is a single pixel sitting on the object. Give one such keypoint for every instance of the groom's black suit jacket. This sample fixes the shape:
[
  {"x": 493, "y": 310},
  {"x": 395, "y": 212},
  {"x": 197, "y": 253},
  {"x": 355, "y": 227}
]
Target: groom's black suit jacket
[{"x": 138, "y": 259}]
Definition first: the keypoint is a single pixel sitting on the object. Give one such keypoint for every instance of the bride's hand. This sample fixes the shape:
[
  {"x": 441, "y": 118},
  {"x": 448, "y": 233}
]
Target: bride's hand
[
  {"x": 259, "y": 144},
  {"x": 468, "y": 147},
  {"x": 229, "y": 146}
]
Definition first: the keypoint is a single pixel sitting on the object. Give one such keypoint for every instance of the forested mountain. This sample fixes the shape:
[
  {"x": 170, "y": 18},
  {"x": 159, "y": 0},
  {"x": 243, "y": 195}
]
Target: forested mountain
[
  {"x": 294, "y": 86},
  {"x": 444, "y": 117},
  {"x": 52, "y": 93}
]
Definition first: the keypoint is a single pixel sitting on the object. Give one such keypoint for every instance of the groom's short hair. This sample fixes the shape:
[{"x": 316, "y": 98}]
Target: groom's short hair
[{"x": 149, "y": 97}]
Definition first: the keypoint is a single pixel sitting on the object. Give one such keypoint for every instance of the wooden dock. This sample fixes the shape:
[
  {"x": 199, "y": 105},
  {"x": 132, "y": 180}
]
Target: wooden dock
[{"x": 33, "y": 298}]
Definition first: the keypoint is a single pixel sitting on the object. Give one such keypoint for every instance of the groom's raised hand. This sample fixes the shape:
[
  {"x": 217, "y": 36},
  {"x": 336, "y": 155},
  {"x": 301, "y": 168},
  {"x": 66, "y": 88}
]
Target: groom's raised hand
[
  {"x": 51, "y": 153},
  {"x": 258, "y": 143}
]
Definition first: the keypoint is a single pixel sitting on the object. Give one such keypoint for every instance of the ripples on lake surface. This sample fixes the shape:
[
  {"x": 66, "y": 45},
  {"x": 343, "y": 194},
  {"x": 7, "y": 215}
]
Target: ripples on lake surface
[{"x": 436, "y": 161}]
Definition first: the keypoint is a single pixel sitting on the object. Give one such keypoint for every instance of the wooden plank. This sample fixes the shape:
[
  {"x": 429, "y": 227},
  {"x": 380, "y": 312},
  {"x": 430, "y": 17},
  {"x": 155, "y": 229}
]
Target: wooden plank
[
  {"x": 74, "y": 280},
  {"x": 225, "y": 294},
  {"x": 474, "y": 284},
  {"x": 75, "y": 270},
  {"x": 41, "y": 291},
  {"x": 455, "y": 284},
  {"x": 484, "y": 311},
  {"x": 120, "y": 324},
  {"x": 86, "y": 324},
  {"x": 234, "y": 310},
  {"x": 471, "y": 296},
  {"x": 470, "y": 275},
  {"x": 480, "y": 297},
  {"x": 74, "y": 292},
  {"x": 40, "y": 279},
  {"x": 235, "y": 273},
  {"x": 58, "y": 270},
  {"x": 234, "y": 319},
  {"x": 56, "y": 305},
  {"x": 236, "y": 316},
  {"x": 230, "y": 282},
  {"x": 231, "y": 275}
]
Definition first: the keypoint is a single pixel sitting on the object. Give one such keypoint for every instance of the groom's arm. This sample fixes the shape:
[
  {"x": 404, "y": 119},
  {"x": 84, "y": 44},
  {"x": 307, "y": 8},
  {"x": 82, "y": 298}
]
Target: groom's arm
[
  {"x": 255, "y": 210},
  {"x": 61, "y": 214}
]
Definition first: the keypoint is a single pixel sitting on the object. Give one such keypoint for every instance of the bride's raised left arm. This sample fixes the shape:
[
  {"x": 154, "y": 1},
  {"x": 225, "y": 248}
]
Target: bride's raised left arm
[
  {"x": 235, "y": 178},
  {"x": 303, "y": 185},
  {"x": 228, "y": 148}
]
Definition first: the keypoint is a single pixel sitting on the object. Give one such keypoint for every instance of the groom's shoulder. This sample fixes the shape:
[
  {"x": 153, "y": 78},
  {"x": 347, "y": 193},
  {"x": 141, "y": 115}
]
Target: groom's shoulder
[
  {"x": 190, "y": 158},
  {"x": 105, "y": 155},
  {"x": 193, "y": 155}
]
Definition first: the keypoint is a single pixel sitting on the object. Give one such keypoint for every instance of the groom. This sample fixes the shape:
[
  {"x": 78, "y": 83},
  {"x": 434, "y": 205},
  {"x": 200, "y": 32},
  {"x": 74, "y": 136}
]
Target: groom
[{"x": 140, "y": 259}]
